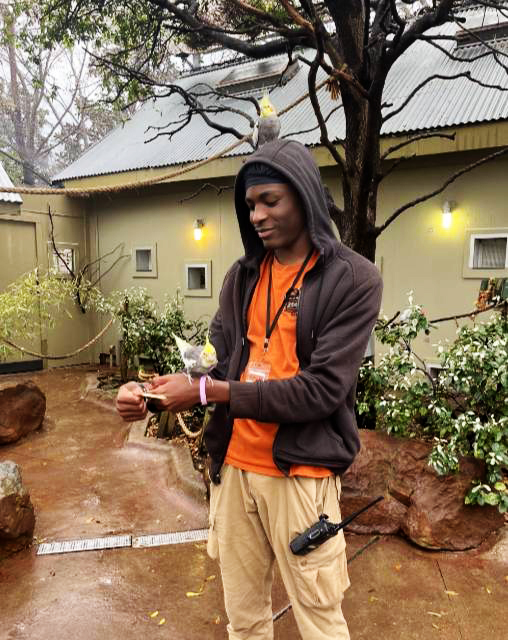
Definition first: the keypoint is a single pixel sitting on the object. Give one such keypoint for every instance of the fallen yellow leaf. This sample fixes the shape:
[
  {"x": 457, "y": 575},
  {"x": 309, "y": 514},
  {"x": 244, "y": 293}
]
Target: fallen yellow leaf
[
  {"x": 193, "y": 594},
  {"x": 162, "y": 621},
  {"x": 373, "y": 599},
  {"x": 433, "y": 613},
  {"x": 488, "y": 589},
  {"x": 154, "y": 614},
  {"x": 397, "y": 567},
  {"x": 210, "y": 578},
  {"x": 435, "y": 626},
  {"x": 451, "y": 593},
  {"x": 216, "y": 620}
]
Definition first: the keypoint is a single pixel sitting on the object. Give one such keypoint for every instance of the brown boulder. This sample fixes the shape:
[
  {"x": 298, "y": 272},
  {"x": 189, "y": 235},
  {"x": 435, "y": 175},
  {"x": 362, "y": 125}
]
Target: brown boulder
[
  {"x": 17, "y": 517},
  {"x": 428, "y": 508},
  {"x": 22, "y": 410},
  {"x": 438, "y": 518}
]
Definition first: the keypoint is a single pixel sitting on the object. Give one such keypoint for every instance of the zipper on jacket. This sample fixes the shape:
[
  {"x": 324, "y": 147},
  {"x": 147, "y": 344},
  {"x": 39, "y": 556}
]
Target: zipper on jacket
[{"x": 247, "y": 296}]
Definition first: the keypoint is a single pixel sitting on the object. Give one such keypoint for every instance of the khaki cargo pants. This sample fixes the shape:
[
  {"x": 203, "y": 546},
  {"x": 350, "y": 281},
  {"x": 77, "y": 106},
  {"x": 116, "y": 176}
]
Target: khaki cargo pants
[{"x": 252, "y": 520}]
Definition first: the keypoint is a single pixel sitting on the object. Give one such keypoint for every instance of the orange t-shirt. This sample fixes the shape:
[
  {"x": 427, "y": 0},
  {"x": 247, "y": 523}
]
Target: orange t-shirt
[{"x": 250, "y": 447}]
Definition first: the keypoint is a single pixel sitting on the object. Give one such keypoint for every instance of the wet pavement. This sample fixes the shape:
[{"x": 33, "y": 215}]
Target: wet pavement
[{"x": 89, "y": 476}]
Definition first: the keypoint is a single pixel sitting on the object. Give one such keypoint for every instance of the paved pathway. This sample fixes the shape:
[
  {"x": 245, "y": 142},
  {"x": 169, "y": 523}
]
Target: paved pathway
[{"x": 85, "y": 482}]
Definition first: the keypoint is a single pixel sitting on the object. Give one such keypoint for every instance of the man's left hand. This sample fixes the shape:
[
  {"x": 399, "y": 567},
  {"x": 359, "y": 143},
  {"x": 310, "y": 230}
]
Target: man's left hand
[{"x": 180, "y": 393}]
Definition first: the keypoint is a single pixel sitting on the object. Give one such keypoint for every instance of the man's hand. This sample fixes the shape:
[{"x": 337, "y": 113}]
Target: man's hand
[
  {"x": 130, "y": 404},
  {"x": 180, "y": 393}
]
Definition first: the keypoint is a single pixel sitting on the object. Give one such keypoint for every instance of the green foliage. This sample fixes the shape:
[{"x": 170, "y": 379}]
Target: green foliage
[
  {"x": 464, "y": 411},
  {"x": 35, "y": 301},
  {"x": 132, "y": 42},
  {"x": 29, "y": 303},
  {"x": 148, "y": 330},
  {"x": 46, "y": 123}
]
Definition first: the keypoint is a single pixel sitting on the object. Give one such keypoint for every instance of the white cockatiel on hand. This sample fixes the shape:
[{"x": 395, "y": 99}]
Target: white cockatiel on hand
[
  {"x": 198, "y": 361},
  {"x": 268, "y": 125}
]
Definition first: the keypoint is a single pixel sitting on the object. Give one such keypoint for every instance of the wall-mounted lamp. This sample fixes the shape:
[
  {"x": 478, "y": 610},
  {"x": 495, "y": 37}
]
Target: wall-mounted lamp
[
  {"x": 198, "y": 229},
  {"x": 447, "y": 218}
]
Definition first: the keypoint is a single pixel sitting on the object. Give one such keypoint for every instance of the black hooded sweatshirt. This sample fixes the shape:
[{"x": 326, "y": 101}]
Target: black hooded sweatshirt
[{"x": 339, "y": 304}]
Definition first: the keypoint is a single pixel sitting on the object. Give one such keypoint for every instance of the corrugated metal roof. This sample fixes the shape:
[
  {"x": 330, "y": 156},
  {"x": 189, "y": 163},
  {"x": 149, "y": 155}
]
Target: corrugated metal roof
[
  {"x": 441, "y": 103},
  {"x": 5, "y": 181}
]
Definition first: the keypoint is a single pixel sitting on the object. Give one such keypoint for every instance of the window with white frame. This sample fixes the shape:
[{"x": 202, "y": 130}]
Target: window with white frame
[
  {"x": 63, "y": 258},
  {"x": 63, "y": 261},
  {"x": 485, "y": 253},
  {"x": 197, "y": 278},
  {"x": 488, "y": 251},
  {"x": 145, "y": 261}
]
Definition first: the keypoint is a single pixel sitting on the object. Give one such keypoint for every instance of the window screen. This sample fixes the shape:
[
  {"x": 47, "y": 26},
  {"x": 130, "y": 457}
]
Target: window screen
[
  {"x": 196, "y": 278},
  {"x": 489, "y": 253},
  {"x": 63, "y": 261},
  {"x": 143, "y": 259}
]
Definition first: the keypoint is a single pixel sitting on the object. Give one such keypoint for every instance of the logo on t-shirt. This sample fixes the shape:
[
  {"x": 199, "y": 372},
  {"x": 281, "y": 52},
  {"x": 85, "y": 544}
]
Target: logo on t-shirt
[{"x": 293, "y": 302}]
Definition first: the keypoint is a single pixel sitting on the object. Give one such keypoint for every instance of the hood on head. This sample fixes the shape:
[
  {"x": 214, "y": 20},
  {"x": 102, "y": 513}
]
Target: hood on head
[{"x": 296, "y": 163}]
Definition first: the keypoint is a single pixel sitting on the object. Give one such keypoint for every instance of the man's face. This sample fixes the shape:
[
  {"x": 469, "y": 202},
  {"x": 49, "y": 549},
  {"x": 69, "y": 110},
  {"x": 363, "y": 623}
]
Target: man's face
[{"x": 277, "y": 216}]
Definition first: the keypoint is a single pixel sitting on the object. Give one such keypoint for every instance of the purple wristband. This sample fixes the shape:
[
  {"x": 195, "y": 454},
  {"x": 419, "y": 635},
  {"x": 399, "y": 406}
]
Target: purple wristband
[{"x": 202, "y": 390}]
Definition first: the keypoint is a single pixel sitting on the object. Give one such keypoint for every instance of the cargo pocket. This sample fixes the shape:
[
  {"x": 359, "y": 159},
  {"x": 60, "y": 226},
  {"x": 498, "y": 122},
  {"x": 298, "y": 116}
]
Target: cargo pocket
[
  {"x": 321, "y": 576},
  {"x": 212, "y": 546}
]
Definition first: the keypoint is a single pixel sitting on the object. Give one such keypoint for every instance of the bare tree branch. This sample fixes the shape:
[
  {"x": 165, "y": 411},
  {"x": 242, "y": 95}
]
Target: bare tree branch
[
  {"x": 384, "y": 174},
  {"x": 451, "y": 56},
  {"x": 422, "y": 136},
  {"x": 317, "y": 110},
  {"x": 427, "y": 196},
  {"x": 218, "y": 191},
  {"x": 438, "y": 76},
  {"x": 21, "y": 162}
]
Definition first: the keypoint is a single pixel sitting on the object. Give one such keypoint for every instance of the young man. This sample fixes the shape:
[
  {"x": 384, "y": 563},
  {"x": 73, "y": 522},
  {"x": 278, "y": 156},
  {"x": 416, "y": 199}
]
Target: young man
[{"x": 295, "y": 315}]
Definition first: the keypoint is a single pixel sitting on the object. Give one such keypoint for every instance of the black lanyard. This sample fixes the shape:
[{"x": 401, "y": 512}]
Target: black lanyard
[{"x": 271, "y": 327}]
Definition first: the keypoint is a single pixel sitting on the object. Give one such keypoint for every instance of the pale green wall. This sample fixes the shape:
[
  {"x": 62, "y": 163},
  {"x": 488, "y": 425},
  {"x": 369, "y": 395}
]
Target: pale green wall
[
  {"x": 158, "y": 216},
  {"x": 70, "y": 227},
  {"x": 414, "y": 253}
]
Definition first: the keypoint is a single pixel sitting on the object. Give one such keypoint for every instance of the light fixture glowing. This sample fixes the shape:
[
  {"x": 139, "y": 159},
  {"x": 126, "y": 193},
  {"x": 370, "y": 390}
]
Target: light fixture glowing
[
  {"x": 447, "y": 218},
  {"x": 198, "y": 229}
]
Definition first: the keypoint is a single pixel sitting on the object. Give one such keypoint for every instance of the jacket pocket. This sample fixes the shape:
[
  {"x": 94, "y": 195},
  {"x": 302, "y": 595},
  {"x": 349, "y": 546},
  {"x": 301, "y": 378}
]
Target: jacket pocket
[{"x": 332, "y": 442}]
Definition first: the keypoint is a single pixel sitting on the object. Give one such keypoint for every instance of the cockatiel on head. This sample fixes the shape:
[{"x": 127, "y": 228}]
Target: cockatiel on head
[
  {"x": 268, "y": 125},
  {"x": 198, "y": 361}
]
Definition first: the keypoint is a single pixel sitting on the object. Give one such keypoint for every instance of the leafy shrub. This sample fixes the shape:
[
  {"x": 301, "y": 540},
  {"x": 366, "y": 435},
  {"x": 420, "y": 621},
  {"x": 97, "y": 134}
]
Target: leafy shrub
[
  {"x": 29, "y": 303},
  {"x": 464, "y": 411},
  {"x": 148, "y": 331}
]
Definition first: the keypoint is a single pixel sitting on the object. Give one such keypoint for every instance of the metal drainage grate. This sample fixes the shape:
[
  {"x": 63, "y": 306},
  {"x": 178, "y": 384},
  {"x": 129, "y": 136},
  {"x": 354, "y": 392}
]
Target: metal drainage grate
[
  {"x": 87, "y": 544},
  {"x": 197, "y": 535}
]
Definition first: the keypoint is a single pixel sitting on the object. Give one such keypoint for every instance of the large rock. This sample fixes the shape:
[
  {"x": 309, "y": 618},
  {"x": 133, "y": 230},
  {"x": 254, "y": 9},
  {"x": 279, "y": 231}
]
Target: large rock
[
  {"x": 17, "y": 519},
  {"x": 22, "y": 410},
  {"x": 426, "y": 507}
]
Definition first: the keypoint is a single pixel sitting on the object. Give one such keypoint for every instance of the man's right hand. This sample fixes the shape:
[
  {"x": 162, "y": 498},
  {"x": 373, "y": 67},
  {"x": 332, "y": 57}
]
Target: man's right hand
[{"x": 130, "y": 404}]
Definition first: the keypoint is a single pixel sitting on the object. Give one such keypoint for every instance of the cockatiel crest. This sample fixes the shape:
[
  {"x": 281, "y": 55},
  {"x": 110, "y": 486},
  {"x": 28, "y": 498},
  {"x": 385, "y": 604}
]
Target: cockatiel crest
[
  {"x": 197, "y": 360},
  {"x": 268, "y": 125}
]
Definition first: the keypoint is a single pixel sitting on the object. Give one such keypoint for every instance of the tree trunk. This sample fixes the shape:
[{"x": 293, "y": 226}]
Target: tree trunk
[{"x": 360, "y": 180}]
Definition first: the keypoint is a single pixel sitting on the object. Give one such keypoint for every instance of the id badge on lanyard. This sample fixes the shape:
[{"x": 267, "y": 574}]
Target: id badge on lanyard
[{"x": 257, "y": 371}]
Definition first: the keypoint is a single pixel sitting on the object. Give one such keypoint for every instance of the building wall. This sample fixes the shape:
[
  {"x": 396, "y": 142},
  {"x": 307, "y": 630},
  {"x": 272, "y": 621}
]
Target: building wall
[
  {"x": 414, "y": 254},
  {"x": 24, "y": 245},
  {"x": 159, "y": 217}
]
